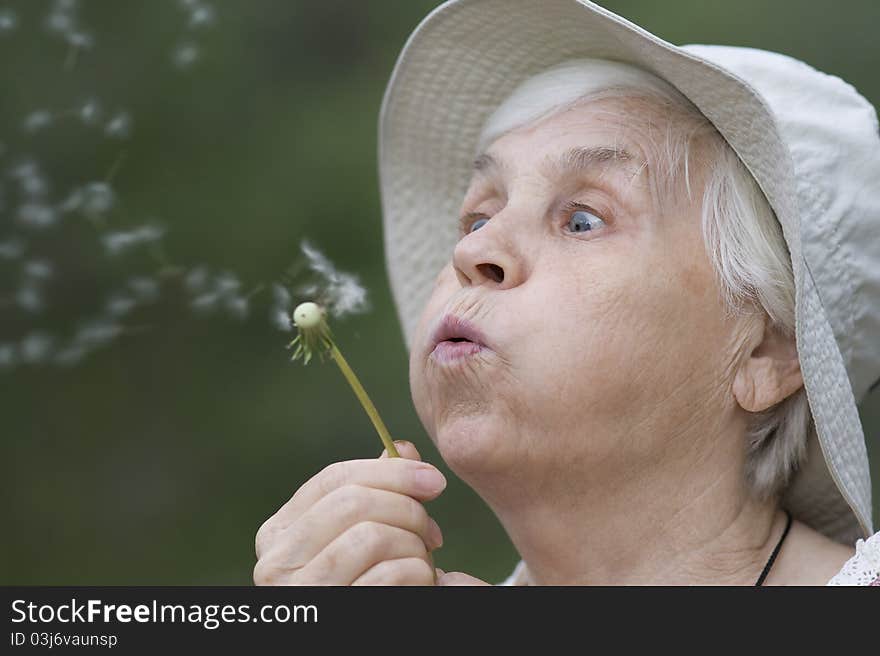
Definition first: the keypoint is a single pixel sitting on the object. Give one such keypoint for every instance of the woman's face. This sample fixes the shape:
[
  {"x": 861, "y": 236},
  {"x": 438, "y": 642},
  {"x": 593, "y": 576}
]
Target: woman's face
[{"x": 605, "y": 331}]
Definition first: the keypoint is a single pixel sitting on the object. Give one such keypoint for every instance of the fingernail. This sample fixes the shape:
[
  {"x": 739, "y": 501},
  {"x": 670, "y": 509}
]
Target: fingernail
[
  {"x": 429, "y": 480},
  {"x": 435, "y": 535}
]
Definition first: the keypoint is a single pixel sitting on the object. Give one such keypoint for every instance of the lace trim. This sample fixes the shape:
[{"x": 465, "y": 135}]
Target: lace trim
[{"x": 864, "y": 567}]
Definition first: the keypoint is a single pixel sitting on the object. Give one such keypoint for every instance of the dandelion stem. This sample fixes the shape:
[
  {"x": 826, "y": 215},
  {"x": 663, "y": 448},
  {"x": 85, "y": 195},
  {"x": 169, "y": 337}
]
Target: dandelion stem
[{"x": 362, "y": 396}]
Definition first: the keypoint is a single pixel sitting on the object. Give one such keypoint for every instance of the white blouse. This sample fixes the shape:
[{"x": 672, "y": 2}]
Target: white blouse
[{"x": 862, "y": 569}]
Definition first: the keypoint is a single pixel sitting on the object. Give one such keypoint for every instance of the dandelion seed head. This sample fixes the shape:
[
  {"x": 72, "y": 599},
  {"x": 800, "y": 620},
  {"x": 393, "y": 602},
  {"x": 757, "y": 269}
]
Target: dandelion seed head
[
  {"x": 38, "y": 269},
  {"x": 118, "y": 127},
  {"x": 36, "y": 347},
  {"x": 8, "y": 21},
  {"x": 307, "y": 315},
  {"x": 36, "y": 215},
  {"x": 37, "y": 120}
]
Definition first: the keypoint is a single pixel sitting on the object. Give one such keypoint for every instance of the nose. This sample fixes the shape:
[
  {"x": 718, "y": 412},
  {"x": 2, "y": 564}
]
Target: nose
[{"x": 486, "y": 257}]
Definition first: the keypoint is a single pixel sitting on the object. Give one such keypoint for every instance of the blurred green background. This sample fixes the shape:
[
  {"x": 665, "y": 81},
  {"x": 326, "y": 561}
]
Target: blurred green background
[{"x": 156, "y": 459}]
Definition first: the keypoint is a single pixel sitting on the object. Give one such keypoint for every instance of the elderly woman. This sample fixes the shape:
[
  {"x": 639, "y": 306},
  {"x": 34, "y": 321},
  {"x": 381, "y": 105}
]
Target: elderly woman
[{"x": 640, "y": 285}]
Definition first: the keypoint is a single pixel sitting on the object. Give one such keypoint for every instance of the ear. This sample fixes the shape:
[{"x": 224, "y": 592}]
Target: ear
[{"x": 770, "y": 373}]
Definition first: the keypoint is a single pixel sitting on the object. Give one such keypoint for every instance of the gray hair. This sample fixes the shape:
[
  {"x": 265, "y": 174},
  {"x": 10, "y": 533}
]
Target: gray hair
[{"x": 742, "y": 237}]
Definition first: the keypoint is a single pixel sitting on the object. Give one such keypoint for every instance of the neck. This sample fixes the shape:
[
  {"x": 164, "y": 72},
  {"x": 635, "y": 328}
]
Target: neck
[{"x": 691, "y": 525}]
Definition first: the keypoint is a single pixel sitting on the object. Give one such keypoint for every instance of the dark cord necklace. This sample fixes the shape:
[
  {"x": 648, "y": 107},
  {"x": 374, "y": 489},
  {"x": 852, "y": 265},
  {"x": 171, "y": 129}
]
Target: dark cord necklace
[{"x": 775, "y": 553}]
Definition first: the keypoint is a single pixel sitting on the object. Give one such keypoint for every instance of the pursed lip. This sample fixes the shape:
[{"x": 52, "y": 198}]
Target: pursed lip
[{"x": 452, "y": 326}]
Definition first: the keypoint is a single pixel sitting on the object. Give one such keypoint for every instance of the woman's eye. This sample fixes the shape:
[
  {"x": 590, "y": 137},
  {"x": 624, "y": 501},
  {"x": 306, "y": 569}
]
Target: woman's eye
[
  {"x": 479, "y": 223},
  {"x": 583, "y": 221}
]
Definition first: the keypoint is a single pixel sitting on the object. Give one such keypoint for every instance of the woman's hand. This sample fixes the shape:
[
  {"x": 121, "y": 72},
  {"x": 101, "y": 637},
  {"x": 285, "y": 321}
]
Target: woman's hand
[
  {"x": 356, "y": 522},
  {"x": 457, "y": 578}
]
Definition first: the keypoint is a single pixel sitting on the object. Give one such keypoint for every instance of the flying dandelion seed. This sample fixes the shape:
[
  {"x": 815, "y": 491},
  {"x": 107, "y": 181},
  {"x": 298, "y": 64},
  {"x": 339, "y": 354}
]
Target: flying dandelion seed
[
  {"x": 28, "y": 298},
  {"x": 201, "y": 16},
  {"x": 36, "y": 347},
  {"x": 89, "y": 111},
  {"x": 237, "y": 307},
  {"x": 34, "y": 186},
  {"x": 36, "y": 215},
  {"x": 118, "y": 127},
  {"x": 118, "y": 305},
  {"x": 226, "y": 283},
  {"x": 70, "y": 356},
  {"x": 96, "y": 198},
  {"x": 205, "y": 302},
  {"x": 196, "y": 279},
  {"x": 37, "y": 120},
  {"x": 25, "y": 196},
  {"x": 60, "y": 21},
  {"x": 97, "y": 332},
  {"x": 279, "y": 313},
  {"x": 185, "y": 55},
  {"x": 145, "y": 289},
  {"x": 38, "y": 269},
  {"x": 82, "y": 40},
  {"x": 8, "y": 358},
  {"x": 8, "y": 21},
  {"x": 342, "y": 292},
  {"x": 116, "y": 243},
  {"x": 11, "y": 249}
]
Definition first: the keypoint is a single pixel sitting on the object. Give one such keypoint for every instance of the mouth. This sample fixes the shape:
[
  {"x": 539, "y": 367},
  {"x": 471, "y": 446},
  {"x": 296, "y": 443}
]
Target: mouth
[{"x": 457, "y": 338}]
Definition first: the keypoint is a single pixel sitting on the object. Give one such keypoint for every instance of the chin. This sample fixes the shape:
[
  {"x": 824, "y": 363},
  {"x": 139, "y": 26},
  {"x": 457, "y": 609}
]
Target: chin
[{"x": 474, "y": 445}]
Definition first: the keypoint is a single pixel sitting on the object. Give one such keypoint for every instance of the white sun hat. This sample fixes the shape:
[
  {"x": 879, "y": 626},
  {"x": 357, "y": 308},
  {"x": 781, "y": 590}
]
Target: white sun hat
[{"x": 809, "y": 139}]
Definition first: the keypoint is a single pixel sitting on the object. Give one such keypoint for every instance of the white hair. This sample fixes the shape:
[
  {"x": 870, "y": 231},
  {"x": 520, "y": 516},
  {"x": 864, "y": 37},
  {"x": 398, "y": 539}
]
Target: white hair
[{"x": 743, "y": 239}]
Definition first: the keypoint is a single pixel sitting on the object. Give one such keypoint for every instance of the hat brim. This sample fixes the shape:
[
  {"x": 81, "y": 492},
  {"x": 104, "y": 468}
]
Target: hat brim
[{"x": 465, "y": 58}]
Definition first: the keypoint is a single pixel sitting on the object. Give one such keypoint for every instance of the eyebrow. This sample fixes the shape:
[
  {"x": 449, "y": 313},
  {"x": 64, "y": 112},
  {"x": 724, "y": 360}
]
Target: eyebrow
[{"x": 573, "y": 161}]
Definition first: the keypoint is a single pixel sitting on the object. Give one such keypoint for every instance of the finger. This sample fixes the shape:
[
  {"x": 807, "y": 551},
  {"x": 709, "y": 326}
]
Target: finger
[
  {"x": 358, "y": 549},
  {"x": 459, "y": 578},
  {"x": 404, "y": 449},
  {"x": 420, "y": 480},
  {"x": 401, "y": 571},
  {"x": 340, "y": 510}
]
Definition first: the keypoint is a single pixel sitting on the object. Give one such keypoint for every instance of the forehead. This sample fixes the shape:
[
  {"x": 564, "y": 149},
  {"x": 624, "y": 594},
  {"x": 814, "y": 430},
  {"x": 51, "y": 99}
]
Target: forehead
[{"x": 577, "y": 140}]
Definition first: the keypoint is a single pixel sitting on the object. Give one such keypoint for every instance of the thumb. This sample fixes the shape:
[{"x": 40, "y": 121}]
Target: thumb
[
  {"x": 457, "y": 578},
  {"x": 405, "y": 449}
]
